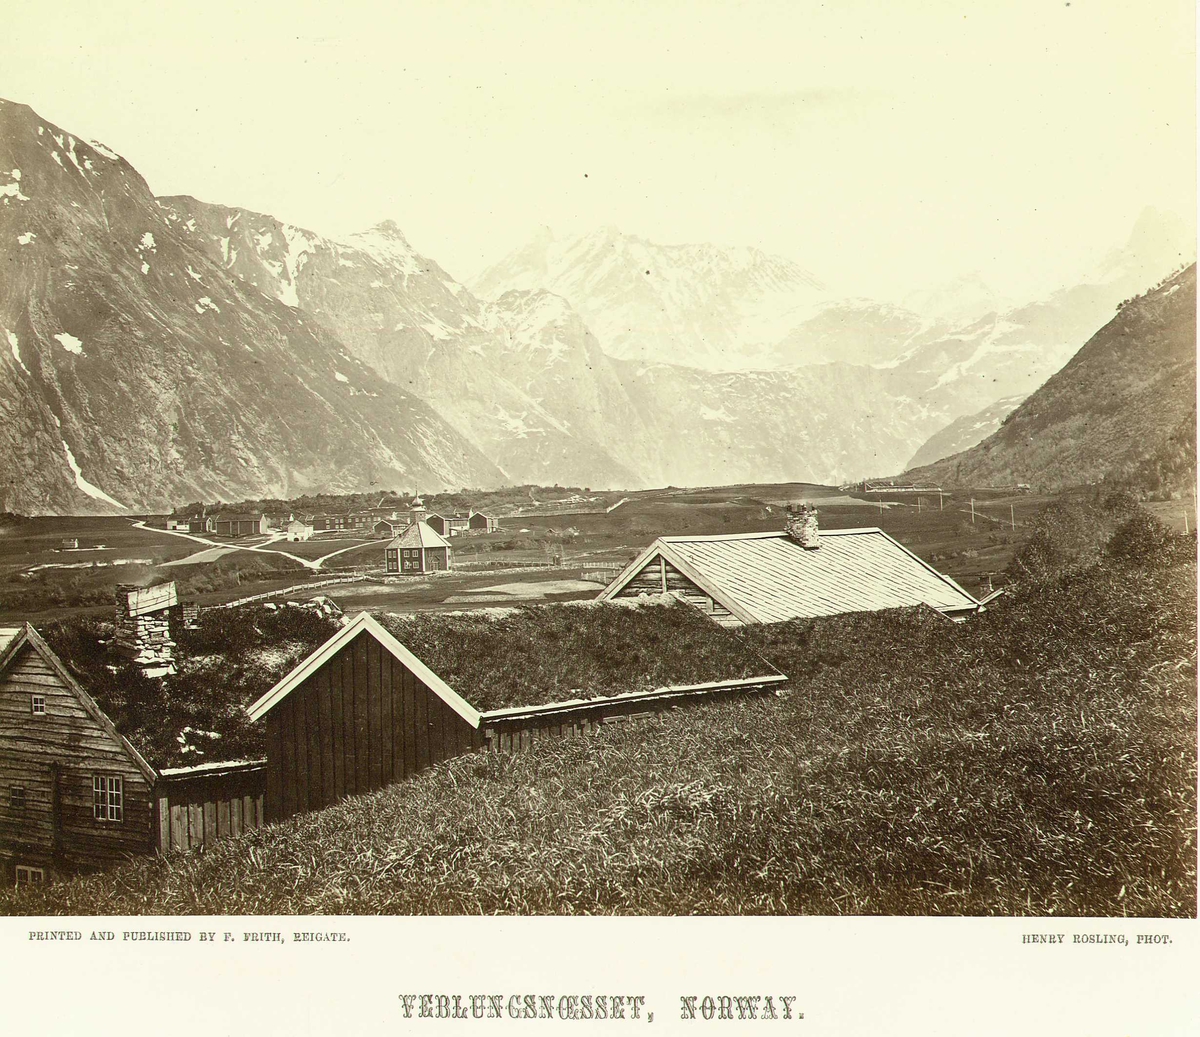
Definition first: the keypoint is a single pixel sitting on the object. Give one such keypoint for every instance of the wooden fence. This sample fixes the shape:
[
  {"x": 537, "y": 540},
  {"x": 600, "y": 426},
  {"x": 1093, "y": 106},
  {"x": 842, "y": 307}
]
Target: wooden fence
[{"x": 195, "y": 806}]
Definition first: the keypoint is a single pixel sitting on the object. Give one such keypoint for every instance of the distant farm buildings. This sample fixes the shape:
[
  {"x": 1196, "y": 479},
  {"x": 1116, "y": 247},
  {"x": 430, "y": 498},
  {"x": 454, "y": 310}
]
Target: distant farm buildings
[
  {"x": 799, "y": 573},
  {"x": 236, "y": 524},
  {"x": 477, "y": 521},
  {"x": 419, "y": 549}
]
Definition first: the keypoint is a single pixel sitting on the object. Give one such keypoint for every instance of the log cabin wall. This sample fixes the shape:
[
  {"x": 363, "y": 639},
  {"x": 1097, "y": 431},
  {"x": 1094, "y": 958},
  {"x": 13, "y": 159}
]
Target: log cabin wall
[
  {"x": 47, "y": 765},
  {"x": 361, "y": 721},
  {"x": 658, "y": 576}
]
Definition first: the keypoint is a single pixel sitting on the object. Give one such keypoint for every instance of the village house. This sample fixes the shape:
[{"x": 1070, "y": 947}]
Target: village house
[
  {"x": 388, "y": 528},
  {"x": 798, "y": 573},
  {"x": 238, "y": 524},
  {"x": 330, "y": 522},
  {"x": 299, "y": 530},
  {"x": 478, "y": 522},
  {"x": 418, "y": 549},
  {"x": 202, "y": 523}
]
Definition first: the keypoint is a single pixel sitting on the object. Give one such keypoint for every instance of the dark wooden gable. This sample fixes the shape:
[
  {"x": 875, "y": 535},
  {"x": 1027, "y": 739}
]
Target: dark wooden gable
[
  {"x": 53, "y": 757},
  {"x": 360, "y": 719}
]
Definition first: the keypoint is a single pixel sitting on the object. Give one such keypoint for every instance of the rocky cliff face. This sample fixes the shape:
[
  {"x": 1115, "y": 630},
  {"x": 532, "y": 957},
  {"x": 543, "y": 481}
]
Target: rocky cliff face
[{"x": 137, "y": 372}]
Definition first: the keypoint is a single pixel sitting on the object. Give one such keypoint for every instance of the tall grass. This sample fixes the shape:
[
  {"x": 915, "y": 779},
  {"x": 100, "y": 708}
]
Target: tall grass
[{"x": 1038, "y": 760}]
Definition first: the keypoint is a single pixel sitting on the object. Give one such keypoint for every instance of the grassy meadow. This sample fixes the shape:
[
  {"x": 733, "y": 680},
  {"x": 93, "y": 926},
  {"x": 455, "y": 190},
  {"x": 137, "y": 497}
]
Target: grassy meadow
[{"x": 1039, "y": 759}]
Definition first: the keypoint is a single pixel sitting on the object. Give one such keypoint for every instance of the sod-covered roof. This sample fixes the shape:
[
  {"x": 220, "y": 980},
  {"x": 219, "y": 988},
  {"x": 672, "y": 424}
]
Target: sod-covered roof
[{"x": 538, "y": 654}]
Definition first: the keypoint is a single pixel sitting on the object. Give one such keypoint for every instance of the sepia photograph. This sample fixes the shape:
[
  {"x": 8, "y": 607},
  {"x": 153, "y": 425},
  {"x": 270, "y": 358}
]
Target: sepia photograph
[{"x": 469, "y": 468}]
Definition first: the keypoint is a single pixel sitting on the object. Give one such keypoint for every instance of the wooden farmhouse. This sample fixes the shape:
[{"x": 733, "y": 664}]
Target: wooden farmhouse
[
  {"x": 363, "y": 710},
  {"x": 387, "y": 527},
  {"x": 76, "y": 795},
  {"x": 772, "y": 577},
  {"x": 419, "y": 549},
  {"x": 330, "y": 522},
  {"x": 234, "y": 524},
  {"x": 477, "y": 521}
]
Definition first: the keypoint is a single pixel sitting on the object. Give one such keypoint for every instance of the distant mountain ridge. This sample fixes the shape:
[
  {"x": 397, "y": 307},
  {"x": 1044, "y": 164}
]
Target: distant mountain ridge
[
  {"x": 167, "y": 349},
  {"x": 1123, "y": 408},
  {"x": 136, "y": 372}
]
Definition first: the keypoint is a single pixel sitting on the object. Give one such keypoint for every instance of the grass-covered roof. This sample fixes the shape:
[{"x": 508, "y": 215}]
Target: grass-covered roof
[
  {"x": 198, "y": 715},
  {"x": 538, "y": 654}
]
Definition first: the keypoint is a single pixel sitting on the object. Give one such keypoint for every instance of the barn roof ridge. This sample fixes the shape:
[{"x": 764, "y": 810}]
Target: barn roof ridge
[{"x": 364, "y": 622}]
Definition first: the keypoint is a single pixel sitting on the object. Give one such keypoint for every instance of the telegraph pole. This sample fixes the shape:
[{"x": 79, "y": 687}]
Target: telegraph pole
[
  {"x": 972, "y": 511},
  {"x": 1012, "y": 516}
]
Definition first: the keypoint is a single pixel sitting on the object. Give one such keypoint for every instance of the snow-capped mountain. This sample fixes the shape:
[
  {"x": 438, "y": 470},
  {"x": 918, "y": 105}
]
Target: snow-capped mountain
[
  {"x": 700, "y": 305},
  {"x": 136, "y": 372},
  {"x": 522, "y": 379}
]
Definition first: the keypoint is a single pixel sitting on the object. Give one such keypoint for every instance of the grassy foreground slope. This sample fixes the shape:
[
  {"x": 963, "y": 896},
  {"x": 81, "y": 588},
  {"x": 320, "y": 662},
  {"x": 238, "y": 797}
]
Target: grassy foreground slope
[{"x": 1038, "y": 760}]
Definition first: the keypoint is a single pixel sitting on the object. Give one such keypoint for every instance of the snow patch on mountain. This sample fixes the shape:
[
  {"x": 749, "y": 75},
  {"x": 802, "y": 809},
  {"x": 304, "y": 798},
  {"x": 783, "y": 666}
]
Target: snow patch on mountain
[
  {"x": 90, "y": 489},
  {"x": 70, "y": 343},
  {"x": 15, "y": 346}
]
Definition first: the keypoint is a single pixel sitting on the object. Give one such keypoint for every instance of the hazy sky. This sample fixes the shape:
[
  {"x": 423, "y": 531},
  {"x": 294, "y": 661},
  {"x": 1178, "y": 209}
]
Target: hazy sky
[{"x": 881, "y": 145}]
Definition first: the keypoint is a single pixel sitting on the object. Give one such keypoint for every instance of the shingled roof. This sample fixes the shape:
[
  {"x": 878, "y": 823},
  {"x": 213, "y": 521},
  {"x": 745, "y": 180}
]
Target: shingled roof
[
  {"x": 769, "y": 578},
  {"x": 419, "y": 534}
]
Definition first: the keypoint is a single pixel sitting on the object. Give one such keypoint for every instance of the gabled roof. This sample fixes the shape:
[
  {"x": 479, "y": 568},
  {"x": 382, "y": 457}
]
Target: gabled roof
[
  {"x": 26, "y": 635},
  {"x": 419, "y": 534},
  {"x": 363, "y": 624},
  {"x": 769, "y": 578}
]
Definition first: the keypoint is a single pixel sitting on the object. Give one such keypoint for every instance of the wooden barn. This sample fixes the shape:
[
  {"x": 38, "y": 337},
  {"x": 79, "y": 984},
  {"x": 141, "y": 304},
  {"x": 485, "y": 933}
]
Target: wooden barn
[
  {"x": 233, "y": 524},
  {"x": 419, "y": 549},
  {"x": 447, "y": 525},
  {"x": 364, "y": 710},
  {"x": 771, "y": 577},
  {"x": 359, "y": 713},
  {"x": 478, "y": 522},
  {"x": 387, "y": 528},
  {"x": 74, "y": 794}
]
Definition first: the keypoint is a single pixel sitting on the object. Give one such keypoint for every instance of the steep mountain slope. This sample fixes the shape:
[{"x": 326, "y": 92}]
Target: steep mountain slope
[
  {"x": 699, "y": 305},
  {"x": 963, "y": 433},
  {"x": 1123, "y": 405},
  {"x": 137, "y": 372},
  {"x": 538, "y": 398}
]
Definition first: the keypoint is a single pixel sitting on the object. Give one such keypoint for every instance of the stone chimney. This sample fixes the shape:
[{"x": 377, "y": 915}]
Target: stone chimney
[{"x": 800, "y": 523}]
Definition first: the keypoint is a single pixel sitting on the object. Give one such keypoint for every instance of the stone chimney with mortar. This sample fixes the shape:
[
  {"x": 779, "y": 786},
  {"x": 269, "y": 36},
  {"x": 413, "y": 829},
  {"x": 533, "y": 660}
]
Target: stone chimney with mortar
[{"x": 800, "y": 523}]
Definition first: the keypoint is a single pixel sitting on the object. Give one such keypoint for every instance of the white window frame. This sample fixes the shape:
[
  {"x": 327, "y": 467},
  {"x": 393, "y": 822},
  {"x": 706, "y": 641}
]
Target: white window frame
[
  {"x": 18, "y": 792},
  {"x": 108, "y": 798},
  {"x": 26, "y": 875},
  {"x": 34, "y": 702}
]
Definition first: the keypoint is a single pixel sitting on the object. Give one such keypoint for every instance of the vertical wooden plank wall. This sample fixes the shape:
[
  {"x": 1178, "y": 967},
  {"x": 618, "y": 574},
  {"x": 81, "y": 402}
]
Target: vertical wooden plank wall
[
  {"x": 195, "y": 810},
  {"x": 360, "y": 722}
]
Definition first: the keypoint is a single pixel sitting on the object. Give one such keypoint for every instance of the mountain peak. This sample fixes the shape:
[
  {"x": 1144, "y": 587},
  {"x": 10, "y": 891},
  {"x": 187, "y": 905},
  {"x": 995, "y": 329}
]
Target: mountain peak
[{"x": 389, "y": 229}]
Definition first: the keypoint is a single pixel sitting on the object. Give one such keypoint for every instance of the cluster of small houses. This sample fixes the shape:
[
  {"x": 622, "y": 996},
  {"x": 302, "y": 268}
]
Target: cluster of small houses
[
  {"x": 418, "y": 537},
  {"x": 386, "y": 519},
  {"x": 363, "y": 711}
]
